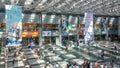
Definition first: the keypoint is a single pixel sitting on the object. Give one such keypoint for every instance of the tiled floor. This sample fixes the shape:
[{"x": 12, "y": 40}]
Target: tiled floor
[{"x": 62, "y": 56}]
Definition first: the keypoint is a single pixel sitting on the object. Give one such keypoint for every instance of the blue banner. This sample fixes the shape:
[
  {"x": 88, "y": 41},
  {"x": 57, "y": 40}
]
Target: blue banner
[
  {"x": 13, "y": 16},
  {"x": 65, "y": 33},
  {"x": 89, "y": 31}
]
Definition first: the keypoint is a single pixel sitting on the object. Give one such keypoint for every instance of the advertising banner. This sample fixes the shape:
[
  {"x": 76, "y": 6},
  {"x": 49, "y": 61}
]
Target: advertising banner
[
  {"x": 89, "y": 31},
  {"x": 46, "y": 33},
  {"x": 72, "y": 23},
  {"x": 13, "y": 18},
  {"x": 30, "y": 34},
  {"x": 64, "y": 24},
  {"x": 65, "y": 33},
  {"x": 97, "y": 26},
  {"x": 103, "y": 23},
  {"x": 81, "y": 32},
  {"x": 55, "y": 33}
]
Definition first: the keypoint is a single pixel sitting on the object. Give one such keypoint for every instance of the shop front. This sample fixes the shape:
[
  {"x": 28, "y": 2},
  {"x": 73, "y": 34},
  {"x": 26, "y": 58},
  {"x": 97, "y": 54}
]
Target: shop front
[
  {"x": 30, "y": 31},
  {"x": 50, "y": 28},
  {"x": 69, "y": 28},
  {"x": 2, "y": 34},
  {"x": 49, "y": 33}
]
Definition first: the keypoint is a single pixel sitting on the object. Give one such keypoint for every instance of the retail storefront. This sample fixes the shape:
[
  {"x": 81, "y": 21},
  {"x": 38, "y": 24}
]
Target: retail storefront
[
  {"x": 81, "y": 28},
  {"x": 69, "y": 27},
  {"x": 50, "y": 29},
  {"x": 2, "y": 34},
  {"x": 30, "y": 28}
]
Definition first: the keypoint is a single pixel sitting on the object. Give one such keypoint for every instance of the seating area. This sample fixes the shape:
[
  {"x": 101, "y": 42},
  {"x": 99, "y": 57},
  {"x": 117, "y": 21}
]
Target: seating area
[{"x": 55, "y": 56}]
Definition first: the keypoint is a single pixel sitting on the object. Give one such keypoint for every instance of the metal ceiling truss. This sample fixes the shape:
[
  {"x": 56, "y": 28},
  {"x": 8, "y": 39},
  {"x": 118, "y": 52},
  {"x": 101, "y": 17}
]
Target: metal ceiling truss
[{"x": 98, "y": 7}]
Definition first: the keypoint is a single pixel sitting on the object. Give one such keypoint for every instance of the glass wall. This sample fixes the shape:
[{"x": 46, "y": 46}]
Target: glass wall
[
  {"x": 50, "y": 28},
  {"x": 67, "y": 27}
]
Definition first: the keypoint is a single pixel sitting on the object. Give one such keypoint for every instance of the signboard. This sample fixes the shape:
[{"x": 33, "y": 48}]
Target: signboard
[
  {"x": 97, "y": 29},
  {"x": 2, "y": 34},
  {"x": 50, "y": 25},
  {"x": 65, "y": 33},
  {"x": 64, "y": 23},
  {"x": 73, "y": 33},
  {"x": 2, "y": 27},
  {"x": 57, "y": 41},
  {"x": 46, "y": 33},
  {"x": 89, "y": 31},
  {"x": 103, "y": 23},
  {"x": 13, "y": 18},
  {"x": 72, "y": 23},
  {"x": 30, "y": 34},
  {"x": 81, "y": 32},
  {"x": 55, "y": 33}
]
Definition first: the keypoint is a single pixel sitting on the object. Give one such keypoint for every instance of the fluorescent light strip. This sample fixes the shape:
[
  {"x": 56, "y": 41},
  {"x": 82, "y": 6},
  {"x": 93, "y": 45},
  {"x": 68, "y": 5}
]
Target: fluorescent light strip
[
  {"x": 28, "y": 2},
  {"x": 53, "y": 3},
  {"x": 52, "y": 18},
  {"x": 98, "y": 20},
  {"x": 2, "y": 1},
  {"x": 42, "y": 2},
  {"x": 111, "y": 20},
  {"x": 43, "y": 17}
]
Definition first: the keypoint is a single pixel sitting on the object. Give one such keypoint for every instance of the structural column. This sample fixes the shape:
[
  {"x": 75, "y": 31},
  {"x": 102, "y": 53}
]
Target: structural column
[
  {"x": 40, "y": 30},
  {"x": 60, "y": 29},
  {"x": 118, "y": 28},
  {"x": 78, "y": 29}
]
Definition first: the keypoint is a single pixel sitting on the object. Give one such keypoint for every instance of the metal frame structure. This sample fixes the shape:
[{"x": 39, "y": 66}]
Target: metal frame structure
[{"x": 98, "y": 7}]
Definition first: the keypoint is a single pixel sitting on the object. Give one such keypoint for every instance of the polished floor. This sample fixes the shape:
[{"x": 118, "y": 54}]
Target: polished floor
[{"x": 54, "y": 54}]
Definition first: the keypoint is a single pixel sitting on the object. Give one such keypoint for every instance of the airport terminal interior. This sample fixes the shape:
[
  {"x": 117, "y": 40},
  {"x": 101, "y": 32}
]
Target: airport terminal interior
[{"x": 59, "y": 33}]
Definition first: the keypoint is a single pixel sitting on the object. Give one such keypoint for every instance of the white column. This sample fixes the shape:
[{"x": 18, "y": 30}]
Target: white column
[
  {"x": 78, "y": 29},
  {"x": 60, "y": 35},
  {"x": 40, "y": 30},
  {"x": 40, "y": 37},
  {"x": 60, "y": 29}
]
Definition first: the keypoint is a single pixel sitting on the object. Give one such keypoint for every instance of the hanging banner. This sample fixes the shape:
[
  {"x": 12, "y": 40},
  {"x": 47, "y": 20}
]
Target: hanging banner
[
  {"x": 64, "y": 23},
  {"x": 72, "y": 23},
  {"x": 97, "y": 30},
  {"x": 13, "y": 18},
  {"x": 103, "y": 23},
  {"x": 89, "y": 31}
]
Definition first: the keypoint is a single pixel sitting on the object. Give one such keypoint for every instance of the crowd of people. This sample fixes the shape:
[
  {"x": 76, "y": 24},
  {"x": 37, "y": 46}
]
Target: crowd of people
[
  {"x": 88, "y": 64},
  {"x": 85, "y": 64}
]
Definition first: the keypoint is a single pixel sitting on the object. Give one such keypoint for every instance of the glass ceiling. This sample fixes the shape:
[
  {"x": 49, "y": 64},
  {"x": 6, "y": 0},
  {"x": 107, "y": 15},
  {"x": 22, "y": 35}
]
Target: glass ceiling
[{"x": 98, "y": 7}]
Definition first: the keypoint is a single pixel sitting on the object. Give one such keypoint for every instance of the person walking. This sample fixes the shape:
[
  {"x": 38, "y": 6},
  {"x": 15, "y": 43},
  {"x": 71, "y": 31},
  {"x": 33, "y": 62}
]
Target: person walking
[
  {"x": 115, "y": 48},
  {"x": 0, "y": 50},
  {"x": 84, "y": 65},
  {"x": 102, "y": 54},
  {"x": 13, "y": 61},
  {"x": 96, "y": 64},
  {"x": 91, "y": 65},
  {"x": 105, "y": 66},
  {"x": 111, "y": 64},
  {"x": 66, "y": 47},
  {"x": 88, "y": 64}
]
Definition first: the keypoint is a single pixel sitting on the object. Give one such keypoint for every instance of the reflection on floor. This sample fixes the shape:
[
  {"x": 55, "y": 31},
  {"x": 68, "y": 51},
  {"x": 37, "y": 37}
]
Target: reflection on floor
[{"x": 54, "y": 55}]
